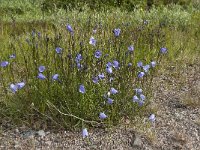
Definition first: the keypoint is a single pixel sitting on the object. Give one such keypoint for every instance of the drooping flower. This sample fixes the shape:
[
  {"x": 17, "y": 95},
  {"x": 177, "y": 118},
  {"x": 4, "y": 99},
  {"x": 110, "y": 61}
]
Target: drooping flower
[
  {"x": 4, "y": 63},
  {"x": 101, "y": 76},
  {"x": 13, "y": 88},
  {"x": 142, "y": 97},
  {"x": 102, "y": 115},
  {"x": 58, "y": 50},
  {"x": 141, "y": 74},
  {"x": 113, "y": 91},
  {"x": 41, "y": 76},
  {"x": 20, "y": 85},
  {"x": 146, "y": 68},
  {"x": 129, "y": 64},
  {"x": 140, "y": 102},
  {"x": 12, "y": 56},
  {"x": 109, "y": 70},
  {"x": 153, "y": 64},
  {"x": 39, "y": 34},
  {"x": 131, "y": 48},
  {"x": 110, "y": 101},
  {"x": 41, "y": 68},
  {"x": 79, "y": 66},
  {"x": 92, "y": 41},
  {"x": 135, "y": 98},
  {"x": 163, "y": 50},
  {"x": 84, "y": 133},
  {"x": 116, "y": 64},
  {"x": 69, "y": 28},
  {"x": 140, "y": 64},
  {"x": 98, "y": 54},
  {"x": 117, "y": 32},
  {"x": 109, "y": 64},
  {"x": 152, "y": 118},
  {"x": 95, "y": 80},
  {"x": 138, "y": 91},
  {"x": 78, "y": 58},
  {"x": 82, "y": 89},
  {"x": 55, "y": 77}
]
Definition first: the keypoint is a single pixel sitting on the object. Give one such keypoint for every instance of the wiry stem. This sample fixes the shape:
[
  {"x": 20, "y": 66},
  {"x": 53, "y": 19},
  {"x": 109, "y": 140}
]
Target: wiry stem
[{"x": 71, "y": 115}]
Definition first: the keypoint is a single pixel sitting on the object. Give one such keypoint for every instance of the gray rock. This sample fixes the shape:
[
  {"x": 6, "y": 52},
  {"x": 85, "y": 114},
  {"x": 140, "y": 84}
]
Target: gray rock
[
  {"x": 137, "y": 142},
  {"x": 28, "y": 134},
  {"x": 41, "y": 133}
]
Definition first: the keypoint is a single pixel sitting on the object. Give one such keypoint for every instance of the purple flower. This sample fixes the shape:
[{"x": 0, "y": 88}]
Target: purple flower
[
  {"x": 109, "y": 64},
  {"x": 117, "y": 32},
  {"x": 141, "y": 74},
  {"x": 139, "y": 64},
  {"x": 92, "y": 41},
  {"x": 109, "y": 70},
  {"x": 4, "y": 63},
  {"x": 39, "y": 34},
  {"x": 152, "y": 118},
  {"x": 113, "y": 91},
  {"x": 146, "y": 68},
  {"x": 110, "y": 101},
  {"x": 13, "y": 56},
  {"x": 95, "y": 80},
  {"x": 98, "y": 54},
  {"x": 13, "y": 88},
  {"x": 41, "y": 76},
  {"x": 84, "y": 133},
  {"x": 82, "y": 89},
  {"x": 140, "y": 102},
  {"x": 131, "y": 48},
  {"x": 138, "y": 91},
  {"x": 78, "y": 58},
  {"x": 153, "y": 64},
  {"x": 163, "y": 50},
  {"x": 69, "y": 28},
  {"x": 102, "y": 115},
  {"x": 20, "y": 85},
  {"x": 142, "y": 97},
  {"x": 135, "y": 98},
  {"x": 116, "y": 64},
  {"x": 79, "y": 66},
  {"x": 41, "y": 68},
  {"x": 101, "y": 76},
  {"x": 58, "y": 50},
  {"x": 129, "y": 64},
  {"x": 55, "y": 77}
]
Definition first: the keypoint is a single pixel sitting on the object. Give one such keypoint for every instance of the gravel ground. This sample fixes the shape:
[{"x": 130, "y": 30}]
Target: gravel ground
[{"x": 177, "y": 126}]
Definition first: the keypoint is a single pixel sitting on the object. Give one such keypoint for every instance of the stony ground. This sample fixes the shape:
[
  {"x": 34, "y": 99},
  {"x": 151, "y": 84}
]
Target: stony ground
[{"x": 177, "y": 126}]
